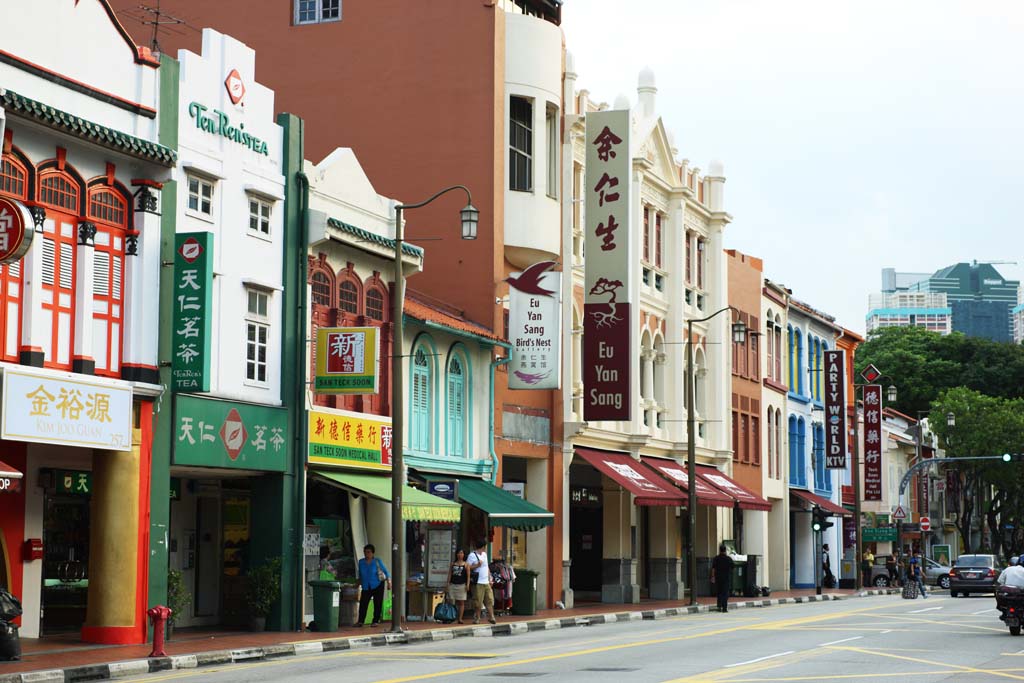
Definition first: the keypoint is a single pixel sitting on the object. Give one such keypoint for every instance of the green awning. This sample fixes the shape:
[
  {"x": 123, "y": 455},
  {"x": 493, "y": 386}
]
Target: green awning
[
  {"x": 417, "y": 506},
  {"x": 503, "y": 508}
]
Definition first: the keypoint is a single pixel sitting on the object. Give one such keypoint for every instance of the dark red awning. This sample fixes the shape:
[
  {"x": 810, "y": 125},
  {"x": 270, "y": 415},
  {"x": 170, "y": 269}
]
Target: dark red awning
[
  {"x": 10, "y": 478},
  {"x": 648, "y": 487},
  {"x": 823, "y": 503},
  {"x": 676, "y": 473},
  {"x": 747, "y": 499}
]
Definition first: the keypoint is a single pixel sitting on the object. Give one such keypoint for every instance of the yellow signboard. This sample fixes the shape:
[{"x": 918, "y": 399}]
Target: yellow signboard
[
  {"x": 341, "y": 438},
  {"x": 346, "y": 360}
]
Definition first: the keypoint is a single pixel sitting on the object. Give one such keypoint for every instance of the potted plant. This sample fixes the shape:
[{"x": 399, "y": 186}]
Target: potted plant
[
  {"x": 178, "y": 598},
  {"x": 263, "y": 591}
]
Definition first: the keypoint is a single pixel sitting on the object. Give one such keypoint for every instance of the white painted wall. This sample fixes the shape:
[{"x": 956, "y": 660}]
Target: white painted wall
[{"x": 241, "y": 258}]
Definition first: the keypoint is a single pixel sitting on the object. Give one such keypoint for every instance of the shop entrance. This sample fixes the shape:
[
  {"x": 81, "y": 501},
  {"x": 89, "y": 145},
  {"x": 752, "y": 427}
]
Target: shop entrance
[
  {"x": 65, "y": 562},
  {"x": 586, "y": 531}
]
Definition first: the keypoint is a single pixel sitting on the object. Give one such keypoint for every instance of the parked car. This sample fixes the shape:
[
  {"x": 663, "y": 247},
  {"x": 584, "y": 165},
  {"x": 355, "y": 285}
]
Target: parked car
[
  {"x": 973, "y": 574},
  {"x": 934, "y": 573}
]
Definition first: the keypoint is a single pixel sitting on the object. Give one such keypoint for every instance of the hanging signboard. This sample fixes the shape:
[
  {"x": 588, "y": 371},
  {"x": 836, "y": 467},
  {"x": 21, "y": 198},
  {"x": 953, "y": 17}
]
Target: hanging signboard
[
  {"x": 58, "y": 408},
  {"x": 214, "y": 433},
  {"x": 193, "y": 298},
  {"x": 15, "y": 230},
  {"x": 873, "y": 442},
  {"x": 535, "y": 327},
  {"x": 361, "y": 440},
  {"x": 346, "y": 360},
  {"x": 607, "y": 342},
  {"x": 835, "y": 409}
]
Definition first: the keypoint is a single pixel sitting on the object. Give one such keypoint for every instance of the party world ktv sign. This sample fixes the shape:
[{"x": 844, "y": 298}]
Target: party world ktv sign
[{"x": 835, "y": 409}]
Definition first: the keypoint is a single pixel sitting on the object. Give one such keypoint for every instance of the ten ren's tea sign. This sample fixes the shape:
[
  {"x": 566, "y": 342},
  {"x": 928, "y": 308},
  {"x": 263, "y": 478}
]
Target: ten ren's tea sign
[{"x": 835, "y": 409}]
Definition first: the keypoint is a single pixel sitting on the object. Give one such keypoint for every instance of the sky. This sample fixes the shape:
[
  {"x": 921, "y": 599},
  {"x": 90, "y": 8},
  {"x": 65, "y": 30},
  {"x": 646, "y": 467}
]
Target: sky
[{"x": 855, "y": 135}]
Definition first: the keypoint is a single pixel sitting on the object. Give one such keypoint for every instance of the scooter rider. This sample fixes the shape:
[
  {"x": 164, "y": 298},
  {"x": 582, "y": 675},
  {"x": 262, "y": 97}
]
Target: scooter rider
[{"x": 1012, "y": 575}]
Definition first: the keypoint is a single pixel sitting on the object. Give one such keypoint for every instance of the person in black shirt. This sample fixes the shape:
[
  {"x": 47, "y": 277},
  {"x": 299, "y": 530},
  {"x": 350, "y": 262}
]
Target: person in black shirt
[
  {"x": 721, "y": 576},
  {"x": 458, "y": 581}
]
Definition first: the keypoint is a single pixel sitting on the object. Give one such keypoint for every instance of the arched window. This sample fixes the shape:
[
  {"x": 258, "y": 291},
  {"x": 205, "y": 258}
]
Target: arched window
[
  {"x": 348, "y": 297},
  {"x": 13, "y": 183},
  {"x": 13, "y": 178},
  {"x": 791, "y": 341},
  {"x": 778, "y": 443},
  {"x": 801, "y": 451},
  {"x": 794, "y": 477},
  {"x": 798, "y": 379},
  {"x": 457, "y": 401},
  {"x": 422, "y": 388},
  {"x": 59, "y": 192},
  {"x": 108, "y": 210},
  {"x": 375, "y": 304},
  {"x": 321, "y": 288},
  {"x": 771, "y": 439}
]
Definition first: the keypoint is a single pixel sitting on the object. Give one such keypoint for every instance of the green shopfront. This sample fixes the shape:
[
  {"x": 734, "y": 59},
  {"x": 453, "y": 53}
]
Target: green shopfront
[{"x": 227, "y": 489}]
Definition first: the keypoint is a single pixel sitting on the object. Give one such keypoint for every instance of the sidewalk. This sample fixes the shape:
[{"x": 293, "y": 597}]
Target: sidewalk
[{"x": 68, "y": 659}]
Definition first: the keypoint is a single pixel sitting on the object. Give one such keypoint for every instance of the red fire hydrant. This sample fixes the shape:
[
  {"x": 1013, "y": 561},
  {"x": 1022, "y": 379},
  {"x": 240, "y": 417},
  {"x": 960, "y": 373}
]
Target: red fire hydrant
[{"x": 158, "y": 616}]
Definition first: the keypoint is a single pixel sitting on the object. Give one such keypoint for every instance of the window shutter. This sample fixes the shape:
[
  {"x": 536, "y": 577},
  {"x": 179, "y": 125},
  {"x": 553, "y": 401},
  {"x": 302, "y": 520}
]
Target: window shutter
[
  {"x": 14, "y": 270},
  {"x": 67, "y": 255},
  {"x": 101, "y": 273},
  {"x": 117, "y": 278},
  {"x": 49, "y": 261}
]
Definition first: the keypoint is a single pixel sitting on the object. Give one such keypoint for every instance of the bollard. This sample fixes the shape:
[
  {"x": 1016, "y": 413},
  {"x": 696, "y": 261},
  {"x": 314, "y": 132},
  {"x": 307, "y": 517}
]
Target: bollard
[{"x": 158, "y": 616}]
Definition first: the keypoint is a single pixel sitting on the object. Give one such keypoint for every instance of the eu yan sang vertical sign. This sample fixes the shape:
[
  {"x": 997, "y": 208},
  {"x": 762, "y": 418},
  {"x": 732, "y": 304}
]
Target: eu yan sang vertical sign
[{"x": 606, "y": 304}]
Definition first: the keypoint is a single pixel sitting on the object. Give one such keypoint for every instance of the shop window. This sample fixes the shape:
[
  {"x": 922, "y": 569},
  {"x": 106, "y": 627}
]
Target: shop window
[
  {"x": 520, "y": 145},
  {"x": 257, "y": 335},
  {"x": 421, "y": 390},
  {"x": 317, "y": 11},
  {"x": 259, "y": 217},
  {"x": 109, "y": 212},
  {"x": 456, "y": 407},
  {"x": 200, "y": 196}
]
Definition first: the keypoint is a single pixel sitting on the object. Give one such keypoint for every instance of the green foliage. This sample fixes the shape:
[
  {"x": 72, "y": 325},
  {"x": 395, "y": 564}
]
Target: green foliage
[
  {"x": 264, "y": 587},
  {"x": 923, "y": 364},
  {"x": 178, "y": 596}
]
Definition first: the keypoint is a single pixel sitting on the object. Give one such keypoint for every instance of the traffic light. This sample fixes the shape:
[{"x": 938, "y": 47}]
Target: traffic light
[{"x": 819, "y": 520}]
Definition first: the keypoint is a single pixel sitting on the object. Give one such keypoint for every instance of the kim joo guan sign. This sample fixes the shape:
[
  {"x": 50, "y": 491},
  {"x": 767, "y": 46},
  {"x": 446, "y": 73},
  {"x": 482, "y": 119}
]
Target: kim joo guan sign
[{"x": 835, "y": 409}]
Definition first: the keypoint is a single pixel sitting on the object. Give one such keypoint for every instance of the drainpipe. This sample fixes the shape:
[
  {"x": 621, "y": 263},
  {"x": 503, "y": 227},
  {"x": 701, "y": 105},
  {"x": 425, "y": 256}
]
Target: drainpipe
[
  {"x": 490, "y": 415},
  {"x": 299, "y": 400}
]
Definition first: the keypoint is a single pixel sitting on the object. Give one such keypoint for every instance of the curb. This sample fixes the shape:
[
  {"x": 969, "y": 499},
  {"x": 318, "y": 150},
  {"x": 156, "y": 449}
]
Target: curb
[{"x": 135, "y": 667}]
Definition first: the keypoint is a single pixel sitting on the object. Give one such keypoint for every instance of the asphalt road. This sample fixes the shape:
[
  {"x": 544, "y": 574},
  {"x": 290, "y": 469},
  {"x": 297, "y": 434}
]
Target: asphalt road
[{"x": 865, "y": 639}]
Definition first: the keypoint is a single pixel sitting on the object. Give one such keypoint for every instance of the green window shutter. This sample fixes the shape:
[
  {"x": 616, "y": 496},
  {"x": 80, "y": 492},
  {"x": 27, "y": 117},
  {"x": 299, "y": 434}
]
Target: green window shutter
[
  {"x": 421, "y": 402},
  {"x": 456, "y": 408}
]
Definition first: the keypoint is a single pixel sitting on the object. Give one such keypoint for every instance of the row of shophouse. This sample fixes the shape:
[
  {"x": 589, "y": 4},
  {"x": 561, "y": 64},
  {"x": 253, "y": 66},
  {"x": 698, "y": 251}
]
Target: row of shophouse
[{"x": 180, "y": 253}]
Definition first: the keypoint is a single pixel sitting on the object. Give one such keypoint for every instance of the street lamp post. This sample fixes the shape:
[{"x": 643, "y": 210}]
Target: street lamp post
[
  {"x": 739, "y": 336},
  {"x": 470, "y": 219}
]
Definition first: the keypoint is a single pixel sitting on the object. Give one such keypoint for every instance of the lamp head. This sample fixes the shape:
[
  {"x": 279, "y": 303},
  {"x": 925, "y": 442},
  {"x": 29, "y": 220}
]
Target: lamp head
[
  {"x": 739, "y": 332},
  {"x": 890, "y": 393},
  {"x": 470, "y": 220},
  {"x": 950, "y": 420}
]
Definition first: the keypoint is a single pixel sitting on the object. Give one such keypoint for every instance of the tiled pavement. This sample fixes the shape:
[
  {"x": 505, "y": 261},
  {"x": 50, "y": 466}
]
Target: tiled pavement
[{"x": 67, "y": 659}]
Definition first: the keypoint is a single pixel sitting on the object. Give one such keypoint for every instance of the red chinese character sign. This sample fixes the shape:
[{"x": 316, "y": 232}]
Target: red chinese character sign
[
  {"x": 873, "y": 442},
  {"x": 606, "y": 304},
  {"x": 835, "y": 409},
  {"x": 15, "y": 230}
]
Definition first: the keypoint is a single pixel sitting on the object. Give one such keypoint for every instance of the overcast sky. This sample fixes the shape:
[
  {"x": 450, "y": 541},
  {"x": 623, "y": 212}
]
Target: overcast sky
[{"x": 855, "y": 135}]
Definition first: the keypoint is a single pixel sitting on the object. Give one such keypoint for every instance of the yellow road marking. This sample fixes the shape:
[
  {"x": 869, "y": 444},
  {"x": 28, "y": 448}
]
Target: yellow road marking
[
  {"x": 957, "y": 667},
  {"x": 836, "y": 677}
]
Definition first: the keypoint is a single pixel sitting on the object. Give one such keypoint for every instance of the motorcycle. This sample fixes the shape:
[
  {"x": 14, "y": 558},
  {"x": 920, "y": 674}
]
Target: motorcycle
[{"x": 1010, "y": 603}]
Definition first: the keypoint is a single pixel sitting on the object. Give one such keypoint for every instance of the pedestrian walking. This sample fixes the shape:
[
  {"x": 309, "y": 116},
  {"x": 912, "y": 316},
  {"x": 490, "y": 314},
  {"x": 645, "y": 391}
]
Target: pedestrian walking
[
  {"x": 458, "y": 581},
  {"x": 917, "y": 574},
  {"x": 373, "y": 576},
  {"x": 483, "y": 592},
  {"x": 890, "y": 567},
  {"x": 721, "y": 576},
  {"x": 828, "y": 578},
  {"x": 865, "y": 566}
]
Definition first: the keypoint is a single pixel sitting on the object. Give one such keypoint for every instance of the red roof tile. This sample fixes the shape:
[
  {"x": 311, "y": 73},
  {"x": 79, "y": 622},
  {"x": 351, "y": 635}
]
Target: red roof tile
[{"x": 418, "y": 307}]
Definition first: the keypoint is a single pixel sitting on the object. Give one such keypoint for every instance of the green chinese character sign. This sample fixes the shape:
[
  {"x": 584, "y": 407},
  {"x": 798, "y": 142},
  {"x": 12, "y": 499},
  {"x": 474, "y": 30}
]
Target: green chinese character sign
[
  {"x": 213, "y": 433},
  {"x": 193, "y": 293}
]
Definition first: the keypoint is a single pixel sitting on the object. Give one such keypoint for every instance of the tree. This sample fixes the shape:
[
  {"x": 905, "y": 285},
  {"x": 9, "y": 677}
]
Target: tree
[{"x": 985, "y": 426}]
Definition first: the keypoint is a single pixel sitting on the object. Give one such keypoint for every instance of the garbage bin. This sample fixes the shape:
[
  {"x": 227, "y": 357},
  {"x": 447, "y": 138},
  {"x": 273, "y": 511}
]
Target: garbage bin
[
  {"x": 739, "y": 578},
  {"x": 524, "y": 592},
  {"x": 326, "y": 602},
  {"x": 750, "y": 587},
  {"x": 10, "y": 644}
]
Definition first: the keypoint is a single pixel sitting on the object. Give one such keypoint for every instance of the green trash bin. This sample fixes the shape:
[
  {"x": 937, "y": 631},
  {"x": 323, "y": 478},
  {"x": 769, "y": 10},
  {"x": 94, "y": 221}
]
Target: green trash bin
[
  {"x": 739, "y": 578},
  {"x": 326, "y": 603},
  {"x": 524, "y": 592}
]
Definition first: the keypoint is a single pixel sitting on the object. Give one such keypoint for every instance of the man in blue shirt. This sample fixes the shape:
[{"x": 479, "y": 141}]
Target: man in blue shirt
[{"x": 373, "y": 575}]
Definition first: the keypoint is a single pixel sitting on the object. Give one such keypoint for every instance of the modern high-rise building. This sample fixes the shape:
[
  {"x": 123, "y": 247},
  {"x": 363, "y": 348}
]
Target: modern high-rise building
[
  {"x": 1018, "y": 318},
  {"x": 979, "y": 299}
]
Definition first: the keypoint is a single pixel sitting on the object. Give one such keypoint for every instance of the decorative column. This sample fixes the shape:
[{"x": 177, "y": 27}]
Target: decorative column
[
  {"x": 141, "y": 279},
  {"x": 83, "y": 360},
  {"x": 666, "y": 568},
  {"x": 618, "y": 572}
]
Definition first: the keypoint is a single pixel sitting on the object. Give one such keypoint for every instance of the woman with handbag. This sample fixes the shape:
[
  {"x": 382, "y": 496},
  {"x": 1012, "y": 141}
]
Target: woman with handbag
[
  {"x": 458, "y": 581},
  {"x": 373, "y": 576}
]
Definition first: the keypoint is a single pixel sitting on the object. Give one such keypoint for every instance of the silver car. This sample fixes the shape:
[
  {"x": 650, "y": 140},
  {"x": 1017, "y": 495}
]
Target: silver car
[{"x": 934, "y": 573}]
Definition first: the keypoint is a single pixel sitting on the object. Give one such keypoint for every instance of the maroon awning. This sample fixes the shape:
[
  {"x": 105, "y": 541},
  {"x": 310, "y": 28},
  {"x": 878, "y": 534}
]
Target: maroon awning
[
  {"x": 10, "y": 478},
  {"x": 823, "y": 503},
  {"x": 648, "y": 487},
  {"x": 747, "y": 499},
  {"x": 676, "y": 473}
]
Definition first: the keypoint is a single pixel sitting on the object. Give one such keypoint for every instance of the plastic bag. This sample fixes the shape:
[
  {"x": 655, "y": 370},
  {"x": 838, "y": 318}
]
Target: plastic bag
[
  {"x": 10, "y": 607},
  {"x": 445, "y": 613}
]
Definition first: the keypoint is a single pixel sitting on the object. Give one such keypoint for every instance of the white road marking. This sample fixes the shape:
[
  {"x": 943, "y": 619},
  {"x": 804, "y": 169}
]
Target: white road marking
[
  {"x": 984, "y": 611},
  {"x": 844, "y": 640},
  {"x": 888, "y": 630},
  {"x": 760, "y": 659},
  {"x": 926, "y": 609}
]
